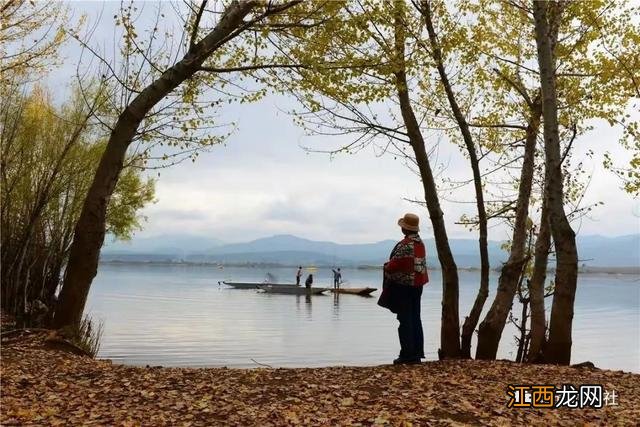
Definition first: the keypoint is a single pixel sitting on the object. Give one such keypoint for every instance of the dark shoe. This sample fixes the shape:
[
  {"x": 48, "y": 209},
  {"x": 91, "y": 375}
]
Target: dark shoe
[{"x": 401, "y": 361}]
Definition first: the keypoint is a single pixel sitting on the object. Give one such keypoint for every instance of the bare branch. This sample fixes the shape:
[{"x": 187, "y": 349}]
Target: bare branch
[
  {"x": 196, "y": 25},
  {"x": 498, "y": 126},
  {"x": 521, "y": 90},
  {"x": 248, "y": 67},
  {"x": 574, "y": 129}
]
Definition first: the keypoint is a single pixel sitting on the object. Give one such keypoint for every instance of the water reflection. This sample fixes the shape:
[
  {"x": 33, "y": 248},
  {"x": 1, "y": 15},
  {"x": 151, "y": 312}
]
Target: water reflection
[
  {"x": 307, "y": 304},
  {"x": 180, "y": 316},
  {"x": 336, "y": 306}
]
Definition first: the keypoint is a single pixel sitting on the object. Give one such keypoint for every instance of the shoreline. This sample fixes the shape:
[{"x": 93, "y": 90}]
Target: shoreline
[
  {"x": 48, "y": 387},
  {"x": 631, "y": 270}
]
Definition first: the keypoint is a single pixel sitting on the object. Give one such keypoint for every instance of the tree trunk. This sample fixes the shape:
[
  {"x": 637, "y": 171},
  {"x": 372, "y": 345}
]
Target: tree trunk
[
  {"x": 483, "y": 291},
  {"x": 491, "y": 328},
  {"x": 558, "y": 348},
  {"x": 449, "y": 330},
  {"x": 536, "y": 288},
  {"x": 90, "y": 228},
  {"x": 522, "y": 340}
]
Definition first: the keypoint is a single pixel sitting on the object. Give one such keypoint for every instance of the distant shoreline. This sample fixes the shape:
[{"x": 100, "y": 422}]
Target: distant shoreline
[{"x": 582, "y": 270}]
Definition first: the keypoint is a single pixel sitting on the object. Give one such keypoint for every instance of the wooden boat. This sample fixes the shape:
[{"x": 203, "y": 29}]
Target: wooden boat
[
  {"x": 251, "y": 285},
  {"x": 354, "y": 291},
  {"x": 289, "y": 289}
]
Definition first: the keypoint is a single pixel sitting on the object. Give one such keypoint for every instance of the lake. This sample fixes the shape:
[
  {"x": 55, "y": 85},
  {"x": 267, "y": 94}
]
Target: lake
[{"x": 178, "y": 315}]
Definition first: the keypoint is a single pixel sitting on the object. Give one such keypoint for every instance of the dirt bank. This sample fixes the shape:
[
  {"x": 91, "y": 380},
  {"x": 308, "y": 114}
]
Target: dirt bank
[{"x": 41, "y": 386}]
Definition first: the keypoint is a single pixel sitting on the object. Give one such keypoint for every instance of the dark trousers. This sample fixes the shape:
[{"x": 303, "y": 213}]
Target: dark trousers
[{"x": 410, "y": 329}]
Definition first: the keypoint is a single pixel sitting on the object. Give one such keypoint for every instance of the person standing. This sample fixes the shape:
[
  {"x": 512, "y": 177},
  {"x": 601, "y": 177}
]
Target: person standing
[
  {"x": 337, "y": 278},
  {"x": 298, "y": 276},
  {"x": 405, "y": 274}
]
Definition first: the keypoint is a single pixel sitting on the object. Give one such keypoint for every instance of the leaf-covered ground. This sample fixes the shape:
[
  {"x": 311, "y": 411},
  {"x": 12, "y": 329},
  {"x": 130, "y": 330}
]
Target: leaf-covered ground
[{"x": 41, "y": 386}]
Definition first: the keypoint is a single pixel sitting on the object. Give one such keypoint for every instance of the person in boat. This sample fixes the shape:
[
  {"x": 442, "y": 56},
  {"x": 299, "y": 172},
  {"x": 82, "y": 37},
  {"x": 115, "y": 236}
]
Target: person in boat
[
  {"x": 298, "y": 276},
  {"x": 405, "y": 274},
  {"x": 337, "y": 278},
  {"x": 309, "y": 281}
]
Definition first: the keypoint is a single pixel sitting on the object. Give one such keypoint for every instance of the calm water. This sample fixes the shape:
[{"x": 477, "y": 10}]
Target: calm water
[{"x": 180, "y": 316}]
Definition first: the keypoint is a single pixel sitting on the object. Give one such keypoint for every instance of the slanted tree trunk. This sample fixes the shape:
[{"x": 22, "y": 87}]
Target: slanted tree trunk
[
  {"x": 449, "y": 330},
  {"x": 558, "y": 348},
  {"x": 483, "y": 291},
  {"x": 90, "y": 228},
  {"x": 536, "y": 288},
  {"x": 490, "y": 330}
]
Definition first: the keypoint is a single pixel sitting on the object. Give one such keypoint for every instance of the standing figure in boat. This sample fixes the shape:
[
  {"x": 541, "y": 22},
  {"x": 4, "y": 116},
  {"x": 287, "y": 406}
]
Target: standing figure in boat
[
  {"x": 298, "y": 276},
  {"x": 337, "y": 278},
  {"x": 405, "y": 274}
]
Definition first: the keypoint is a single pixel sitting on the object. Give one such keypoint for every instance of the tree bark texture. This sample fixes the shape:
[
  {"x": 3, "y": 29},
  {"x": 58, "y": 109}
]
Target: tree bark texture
[
  {"x": 558, "y": 348},
  {"x": 491, "y": 328},
  {"x": 536, "y": 288}
]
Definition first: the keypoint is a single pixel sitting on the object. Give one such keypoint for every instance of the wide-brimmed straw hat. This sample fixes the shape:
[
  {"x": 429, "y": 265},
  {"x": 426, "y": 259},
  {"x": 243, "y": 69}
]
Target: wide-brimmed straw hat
[{"x": 409, "y": 222}]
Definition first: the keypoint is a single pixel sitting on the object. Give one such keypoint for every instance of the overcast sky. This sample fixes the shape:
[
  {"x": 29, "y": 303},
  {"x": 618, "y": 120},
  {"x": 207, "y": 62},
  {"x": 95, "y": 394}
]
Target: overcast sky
[{"x": 263, "y": 183}]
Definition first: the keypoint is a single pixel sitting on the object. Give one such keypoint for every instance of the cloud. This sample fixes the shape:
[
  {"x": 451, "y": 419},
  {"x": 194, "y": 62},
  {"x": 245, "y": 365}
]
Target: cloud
[
  {"x": 263, "y": 183},
  {"x": 237, "y": 193},
  {"x": 240, "y": 202}
]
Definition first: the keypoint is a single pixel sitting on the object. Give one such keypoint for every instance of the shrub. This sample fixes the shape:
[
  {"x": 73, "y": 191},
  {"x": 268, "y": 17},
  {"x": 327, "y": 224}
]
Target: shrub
[{"x": 85, "y": 335}]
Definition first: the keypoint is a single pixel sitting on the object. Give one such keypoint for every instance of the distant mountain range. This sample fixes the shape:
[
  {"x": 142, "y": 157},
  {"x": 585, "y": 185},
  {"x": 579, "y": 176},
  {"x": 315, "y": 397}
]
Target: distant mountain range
[{"x": 594, "y": 251}]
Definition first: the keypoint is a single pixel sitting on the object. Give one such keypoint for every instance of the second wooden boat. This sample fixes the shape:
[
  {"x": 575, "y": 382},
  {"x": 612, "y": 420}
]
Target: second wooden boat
[
  {"x": 354, "y": 291},
  {"x": 288, "y": 289}
]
